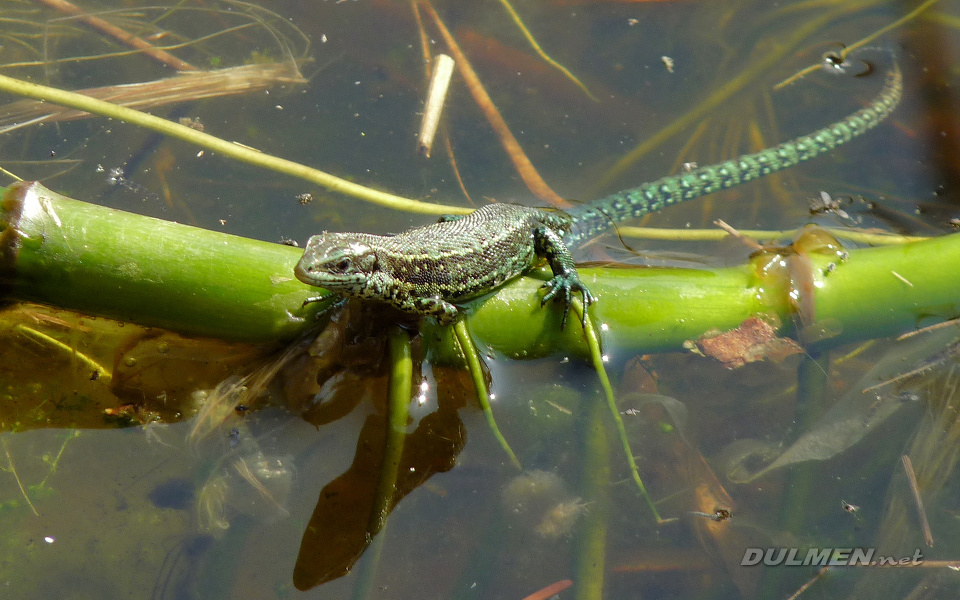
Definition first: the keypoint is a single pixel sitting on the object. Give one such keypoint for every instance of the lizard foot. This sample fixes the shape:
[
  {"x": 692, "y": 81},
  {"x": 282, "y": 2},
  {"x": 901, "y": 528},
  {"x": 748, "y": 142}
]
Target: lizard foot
[
  {"x": 562, "y": 287},
  {"x": 337, "y": 304},
  {"x": 443, "y": 311}
]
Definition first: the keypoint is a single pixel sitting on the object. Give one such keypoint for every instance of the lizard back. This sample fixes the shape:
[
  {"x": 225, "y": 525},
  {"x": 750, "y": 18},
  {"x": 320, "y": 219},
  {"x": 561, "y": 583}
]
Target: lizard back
[{"x": 462, "y": 258}]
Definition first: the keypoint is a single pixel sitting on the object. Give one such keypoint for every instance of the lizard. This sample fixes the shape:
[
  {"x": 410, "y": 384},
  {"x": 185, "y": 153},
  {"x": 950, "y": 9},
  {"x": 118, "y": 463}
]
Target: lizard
[{"x": 428, "y": 270}]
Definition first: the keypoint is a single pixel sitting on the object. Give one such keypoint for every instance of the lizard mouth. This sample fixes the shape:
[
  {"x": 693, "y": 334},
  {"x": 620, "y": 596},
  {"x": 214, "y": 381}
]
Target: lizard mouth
[
  {"x": 323, "y": 278},
  {"x": 303, "y": 274}
]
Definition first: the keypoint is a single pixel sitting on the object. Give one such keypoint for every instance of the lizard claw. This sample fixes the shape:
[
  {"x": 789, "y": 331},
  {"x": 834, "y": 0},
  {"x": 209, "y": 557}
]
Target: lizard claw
[{"x": 562, "y": 287}]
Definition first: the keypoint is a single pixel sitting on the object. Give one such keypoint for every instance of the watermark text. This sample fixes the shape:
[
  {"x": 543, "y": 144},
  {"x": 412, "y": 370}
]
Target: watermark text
[{"x": 824, "y": 557}]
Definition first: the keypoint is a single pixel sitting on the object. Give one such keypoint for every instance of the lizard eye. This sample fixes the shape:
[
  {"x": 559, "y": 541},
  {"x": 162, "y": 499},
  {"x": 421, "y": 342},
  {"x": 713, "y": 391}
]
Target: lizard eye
[{"x": 343, "y": 264}]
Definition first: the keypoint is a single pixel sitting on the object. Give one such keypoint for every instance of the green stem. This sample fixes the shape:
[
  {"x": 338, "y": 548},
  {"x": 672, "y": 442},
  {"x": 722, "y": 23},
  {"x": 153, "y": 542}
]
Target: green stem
[
  {"x": 222, "y": 147},
  {"x": 813, "y": 399},
  {"x": 543, "y": 55},
  {"x": 593, "y": 342},
  {"x": 59, "y": 251},
  {"x": 876, "y": 292},
  {"x": 483, "y": 396},
  {"x": 398, "y": 414},
  {"x": 591, "y": 541},
  {"x": 96, "y": 260}
]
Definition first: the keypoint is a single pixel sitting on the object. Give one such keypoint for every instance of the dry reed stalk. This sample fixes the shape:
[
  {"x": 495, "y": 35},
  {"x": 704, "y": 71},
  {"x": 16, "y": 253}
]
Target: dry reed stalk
[
  {"x": 436, "y": 97},
  {"x": 120, "y": 35},
  {"x": 193, "y": 85},
  {"x": 521, "y": 163}
]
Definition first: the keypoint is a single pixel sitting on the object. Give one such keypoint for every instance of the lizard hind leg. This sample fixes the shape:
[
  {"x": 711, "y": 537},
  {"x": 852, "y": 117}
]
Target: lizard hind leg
[{"x": 566, "y": 280}]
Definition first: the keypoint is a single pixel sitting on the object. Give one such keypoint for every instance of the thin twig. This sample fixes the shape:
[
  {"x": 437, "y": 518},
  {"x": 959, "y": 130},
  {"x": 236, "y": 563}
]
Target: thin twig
[
  {"x": 424, "y": 38},
  {"x": 483, "y": 396},
  {"x": 536, "y": 47},
  {"x": 228, "y": 149},
  {"x": 13, "y": 471},
  {"x": 845, "y": 52},
  {"x": 593, "y": 343},
  {"x": 941, "y": 325},
  {"x": 937, "y": 359},
  {"x": 521, "y": 163},
  {"x": 745, "y": 240},
  {"x": 917, "y": 499},
  {"x": 122, "y": 36},
  {"x": 103, "y": 374},
  {"x": 550, "y": 591},
  {"x": 808, "y": 583},
  {"x": 453, "y": 165}
]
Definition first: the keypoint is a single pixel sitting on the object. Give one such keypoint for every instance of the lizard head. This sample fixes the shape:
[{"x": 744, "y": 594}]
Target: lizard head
[{"x": 336, "y": 261}]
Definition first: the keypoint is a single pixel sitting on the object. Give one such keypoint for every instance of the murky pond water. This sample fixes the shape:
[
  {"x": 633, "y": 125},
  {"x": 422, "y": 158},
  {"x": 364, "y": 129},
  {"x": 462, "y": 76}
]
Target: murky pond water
[{"x": 143, "y": 464}]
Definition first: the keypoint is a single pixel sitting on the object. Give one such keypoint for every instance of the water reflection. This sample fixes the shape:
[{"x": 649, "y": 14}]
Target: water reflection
[{"x": 344, "y": 522}]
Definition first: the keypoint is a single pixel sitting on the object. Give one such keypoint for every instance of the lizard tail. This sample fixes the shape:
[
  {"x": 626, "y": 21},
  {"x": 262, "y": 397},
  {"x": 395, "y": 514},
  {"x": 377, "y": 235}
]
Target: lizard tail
[{"x": 589, "y": 220}]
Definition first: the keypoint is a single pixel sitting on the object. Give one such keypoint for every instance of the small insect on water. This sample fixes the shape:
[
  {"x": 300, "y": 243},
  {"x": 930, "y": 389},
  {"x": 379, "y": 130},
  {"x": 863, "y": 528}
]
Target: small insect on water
[
  {"x": 853, "y": 509},
  {"x": 719, "y": 515}
]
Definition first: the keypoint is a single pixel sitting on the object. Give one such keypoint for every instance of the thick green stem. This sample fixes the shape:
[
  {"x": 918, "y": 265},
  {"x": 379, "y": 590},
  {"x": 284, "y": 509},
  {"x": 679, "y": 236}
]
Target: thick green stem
[
  {"x": 74, "y": 255},
  {"x": 876, "y": 292}
]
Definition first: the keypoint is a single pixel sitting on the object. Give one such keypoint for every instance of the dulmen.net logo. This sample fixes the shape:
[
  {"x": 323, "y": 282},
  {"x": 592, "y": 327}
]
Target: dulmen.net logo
[{"x": 824, "y": 557}]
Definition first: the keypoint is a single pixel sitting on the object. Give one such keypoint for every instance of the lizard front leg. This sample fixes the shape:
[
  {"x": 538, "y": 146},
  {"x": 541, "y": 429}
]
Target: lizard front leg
[
  {"x": 565, "y": 278},
  {"x": 443, "y": 311}
]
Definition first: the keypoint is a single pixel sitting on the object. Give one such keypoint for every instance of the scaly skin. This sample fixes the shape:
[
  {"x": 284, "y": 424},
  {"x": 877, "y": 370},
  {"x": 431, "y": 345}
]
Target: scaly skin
[{"x": 427, "y": 270}]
